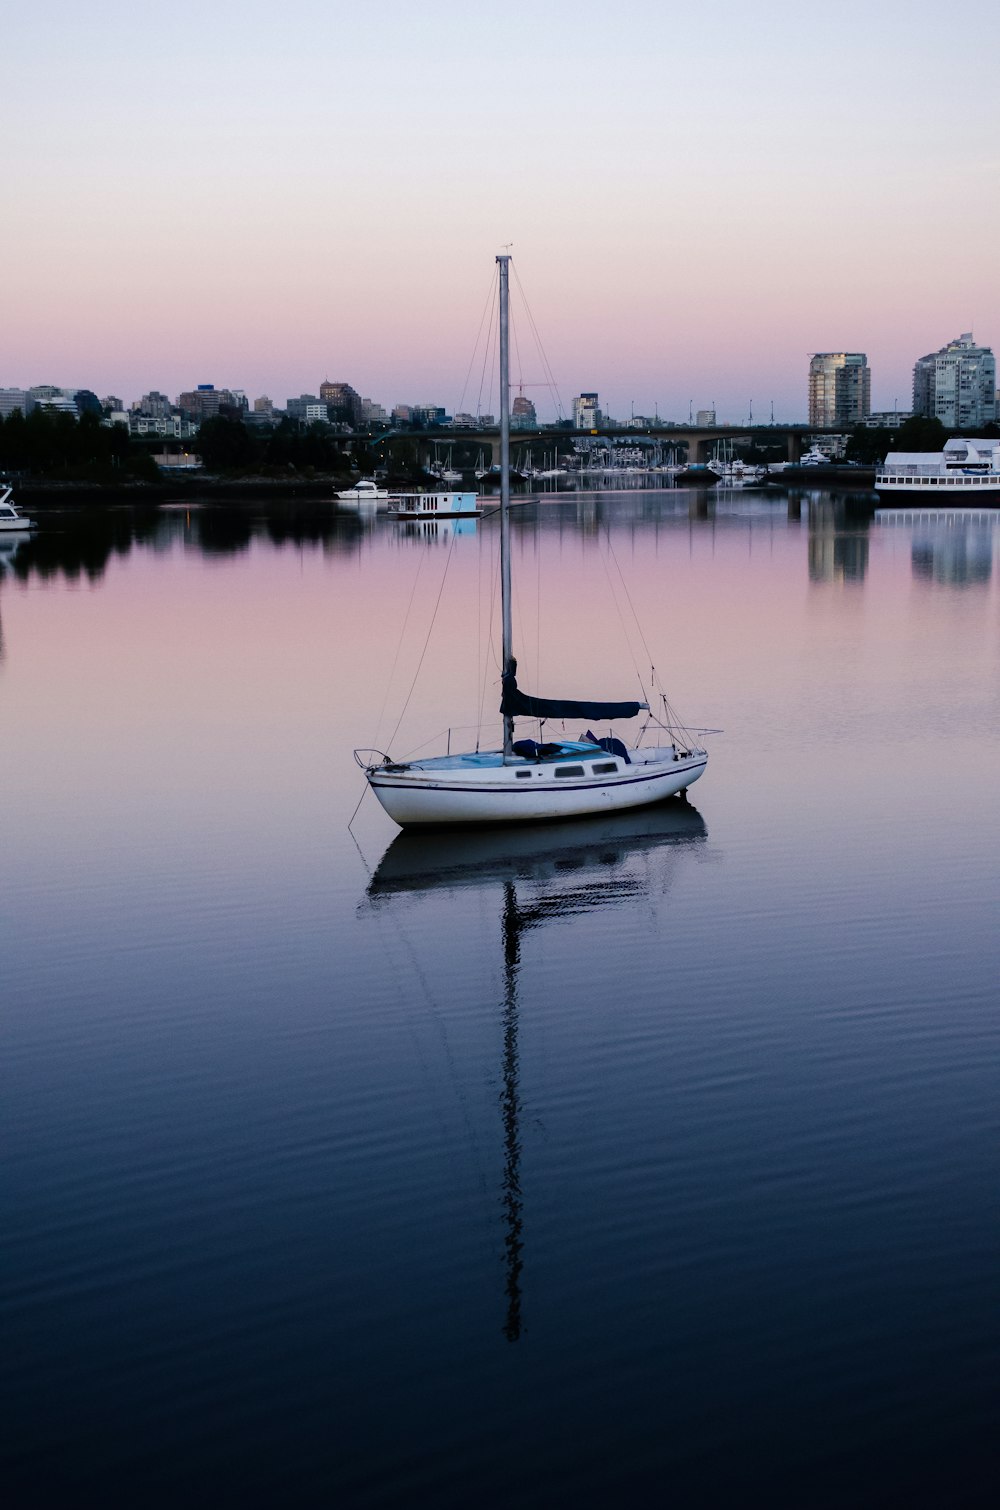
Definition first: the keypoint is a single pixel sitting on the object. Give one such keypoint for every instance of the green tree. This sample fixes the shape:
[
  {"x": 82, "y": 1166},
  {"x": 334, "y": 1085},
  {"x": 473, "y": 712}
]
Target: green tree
[
  {"x": 870, "y": 446},
  {"x": 918, "y": 433},
  {"x": 226, "y": 445}
]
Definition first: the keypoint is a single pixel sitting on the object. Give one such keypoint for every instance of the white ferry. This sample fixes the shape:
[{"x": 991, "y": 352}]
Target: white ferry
[
  {"x": 434, "y": 505},
  {"x": 965, "y": 472}
]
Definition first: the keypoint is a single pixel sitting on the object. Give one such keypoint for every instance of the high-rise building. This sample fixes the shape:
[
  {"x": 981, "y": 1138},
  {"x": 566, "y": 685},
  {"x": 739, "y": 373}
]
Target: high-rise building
[
  {"x": 153, "y": 405},
  {"x": 840, "y": 388},
  {"x": 586, "y": 412},
  {"x": 957, "y": 385},
  {"x": 522, "y": 414},
  {"x": 343, "y": 402}
]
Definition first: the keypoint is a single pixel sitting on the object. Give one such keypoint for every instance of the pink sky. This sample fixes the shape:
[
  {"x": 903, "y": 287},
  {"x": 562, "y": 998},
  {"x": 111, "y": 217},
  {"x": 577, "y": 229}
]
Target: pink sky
[{"x": 697, "y": 199}]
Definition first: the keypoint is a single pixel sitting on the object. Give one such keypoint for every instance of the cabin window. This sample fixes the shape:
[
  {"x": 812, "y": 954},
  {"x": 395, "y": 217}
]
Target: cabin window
[
  {"x": 605, "y": 768},
  {"x": 569, "y": 770},
  {"x": 521, "y": 774}
]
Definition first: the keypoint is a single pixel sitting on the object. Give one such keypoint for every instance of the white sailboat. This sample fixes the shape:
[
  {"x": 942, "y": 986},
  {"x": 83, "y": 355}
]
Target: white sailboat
[{"x": 529, "y": 781}]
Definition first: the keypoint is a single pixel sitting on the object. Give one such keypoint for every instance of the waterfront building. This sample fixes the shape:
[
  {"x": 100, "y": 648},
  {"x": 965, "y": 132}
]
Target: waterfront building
[
  {"x": 317, "y": 413},
  {"x": 343, "y": 402},
  {"x": 372, "y": 413},
  {"x": 55, "y": 400},
  {"x": 840, "y": 388},
  {"x": 11, "y": 399},
  {"x": 429, "y": 414},
  {"x": 886, "y": 419},
  {"x": 296, "y": 408},
  {"x": 207, "y": 402},
  {"x": 154, "y": 404},
  {"x": 522, "y": 414},
  {"x": 957, "y": 385},
  {"x": 832, "y": 446},
  {"x": 403, "y": 414},
  {"x": 705, "y": 417},
  {"x": 586, "y": 412},
  {"x": 168, "y": 426},
  {"x": 112, "y": 404}
]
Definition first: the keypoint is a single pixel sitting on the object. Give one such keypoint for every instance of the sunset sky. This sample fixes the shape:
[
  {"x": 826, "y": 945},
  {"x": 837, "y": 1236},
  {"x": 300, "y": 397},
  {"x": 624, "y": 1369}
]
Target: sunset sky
[{"x": 698, "y": 197}]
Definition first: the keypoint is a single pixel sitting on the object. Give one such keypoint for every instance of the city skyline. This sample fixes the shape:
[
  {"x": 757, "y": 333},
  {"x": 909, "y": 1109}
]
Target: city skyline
[{"x": 216, "y": 199}]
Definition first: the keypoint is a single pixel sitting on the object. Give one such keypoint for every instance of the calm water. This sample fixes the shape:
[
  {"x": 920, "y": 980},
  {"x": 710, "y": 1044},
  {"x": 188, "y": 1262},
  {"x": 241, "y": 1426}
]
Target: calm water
[{"x": 652, "y": 1160}]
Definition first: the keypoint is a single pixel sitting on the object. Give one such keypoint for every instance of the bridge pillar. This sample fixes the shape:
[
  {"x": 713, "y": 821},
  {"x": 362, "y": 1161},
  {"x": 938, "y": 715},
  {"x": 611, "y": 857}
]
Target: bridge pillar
[{"x": 793, "y": 447}]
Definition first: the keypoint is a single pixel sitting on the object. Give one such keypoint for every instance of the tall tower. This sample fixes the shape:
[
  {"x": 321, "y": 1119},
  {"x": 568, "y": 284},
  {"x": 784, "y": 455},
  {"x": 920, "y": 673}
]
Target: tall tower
[
  {"x": 840, "y": 388},
  {"x": 957, "y": 385}
]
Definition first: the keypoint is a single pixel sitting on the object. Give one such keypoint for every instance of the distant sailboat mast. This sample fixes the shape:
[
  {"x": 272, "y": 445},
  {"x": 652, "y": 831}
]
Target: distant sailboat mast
[{"x": 503, "y": 261}]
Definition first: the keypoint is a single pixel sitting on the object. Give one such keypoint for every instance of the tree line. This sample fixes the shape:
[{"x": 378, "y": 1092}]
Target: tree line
[{"x": 46, "y": 443}]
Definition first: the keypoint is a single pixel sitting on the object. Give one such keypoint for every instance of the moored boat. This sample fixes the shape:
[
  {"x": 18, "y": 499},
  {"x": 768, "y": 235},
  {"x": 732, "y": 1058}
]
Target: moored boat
[
  {"x": 10, "y": 520},
  {"x": 966, "y": 472},
  {"x": 433, "y": 505},
  {"x": 364, "y": 491},
  {"x": 534, "y": 780}
]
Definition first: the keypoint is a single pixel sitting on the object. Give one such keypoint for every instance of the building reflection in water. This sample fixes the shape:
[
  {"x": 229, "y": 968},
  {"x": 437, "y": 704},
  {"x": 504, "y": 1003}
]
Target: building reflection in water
[
  {"x": 838, "y": 541},
  {"x": 950, "y": 547},
  {"x": 954, "y": 554},
  {"x": 543, "y": 875}
]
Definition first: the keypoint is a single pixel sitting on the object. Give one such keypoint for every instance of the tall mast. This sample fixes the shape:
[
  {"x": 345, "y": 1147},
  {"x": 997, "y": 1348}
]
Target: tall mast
[{"x": 508, "y": 631}]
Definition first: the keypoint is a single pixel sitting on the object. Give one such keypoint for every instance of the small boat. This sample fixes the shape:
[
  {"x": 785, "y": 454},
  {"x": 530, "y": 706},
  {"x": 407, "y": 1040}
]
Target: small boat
[
  {"x": 534, "y": 780},
  {"x": 10, "y": 519},
  {"x": 434, "y": 505},
  {"x": 696, "y": 475},
  {"x": 365, "y": 491}
]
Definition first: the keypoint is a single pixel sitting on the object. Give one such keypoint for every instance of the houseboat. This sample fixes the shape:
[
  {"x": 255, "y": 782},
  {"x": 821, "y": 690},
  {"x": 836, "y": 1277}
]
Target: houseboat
[{"x": 434, "y": 506}]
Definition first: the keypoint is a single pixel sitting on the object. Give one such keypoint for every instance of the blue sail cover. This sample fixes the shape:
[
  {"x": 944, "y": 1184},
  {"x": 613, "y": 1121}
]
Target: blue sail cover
[{"x": 517, "y": 704}]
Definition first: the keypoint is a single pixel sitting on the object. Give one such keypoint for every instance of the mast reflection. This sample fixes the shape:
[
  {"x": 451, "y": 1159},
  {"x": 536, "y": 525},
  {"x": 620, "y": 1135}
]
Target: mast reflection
[
  {"x": 562, "y": 870},
  {"x": 513, "y": 1204}
]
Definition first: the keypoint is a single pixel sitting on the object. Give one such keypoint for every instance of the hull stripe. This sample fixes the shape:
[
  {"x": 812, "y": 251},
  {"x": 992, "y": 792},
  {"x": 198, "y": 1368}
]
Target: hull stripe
[{"x": 481, "y": 788}]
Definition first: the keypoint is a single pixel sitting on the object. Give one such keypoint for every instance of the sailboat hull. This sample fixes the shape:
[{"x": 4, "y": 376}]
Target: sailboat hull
[{"x": 446, "y": 795}]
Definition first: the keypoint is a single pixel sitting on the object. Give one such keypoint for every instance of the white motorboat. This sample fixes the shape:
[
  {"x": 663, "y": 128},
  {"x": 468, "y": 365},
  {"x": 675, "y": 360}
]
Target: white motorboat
[
  {"x": 533, "y": 780},
  {"x": 10, "y": 520},
  {"x": 965, "y": 473},
  {"x": 814, "y": 457},
  {"x": 364, "y": 491}
]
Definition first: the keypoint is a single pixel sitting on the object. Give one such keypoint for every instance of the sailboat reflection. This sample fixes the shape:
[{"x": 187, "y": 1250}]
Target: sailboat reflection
[{"x": 545, "y": 874}]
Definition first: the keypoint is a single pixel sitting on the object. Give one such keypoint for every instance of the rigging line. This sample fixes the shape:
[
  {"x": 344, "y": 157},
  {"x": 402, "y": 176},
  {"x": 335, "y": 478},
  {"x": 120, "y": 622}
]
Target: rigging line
[
  {"x": 357, "y": 846},
  {"x": 621, "y": 618},
  {"x": 628, "y": 596},
  {"x": 399, "y": 646},
  {"x": 538, "y": 342},
  {"x": 405, "y": 979},
  {"x": 517, "y": 352},
  {"x": 479, "y": 332},
  {"x": 430, "y": 630},
  {"x": 488, "y": 360}
]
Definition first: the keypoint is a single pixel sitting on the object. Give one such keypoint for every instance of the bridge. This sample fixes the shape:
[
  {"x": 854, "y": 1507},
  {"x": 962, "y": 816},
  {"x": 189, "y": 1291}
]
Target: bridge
[{"x": 698, "y": 440}]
